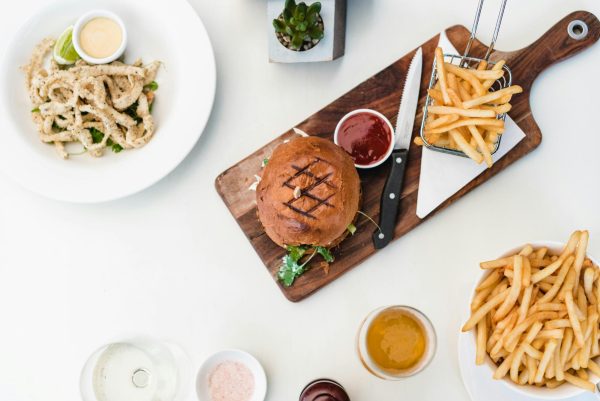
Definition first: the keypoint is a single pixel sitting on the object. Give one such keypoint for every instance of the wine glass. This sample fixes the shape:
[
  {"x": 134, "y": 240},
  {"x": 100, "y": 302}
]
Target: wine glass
[{"x": 135, "y": 370}]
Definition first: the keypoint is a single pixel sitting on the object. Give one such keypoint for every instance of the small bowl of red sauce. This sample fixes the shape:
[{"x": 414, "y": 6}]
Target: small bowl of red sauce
[{"x": 367, "y": 136}]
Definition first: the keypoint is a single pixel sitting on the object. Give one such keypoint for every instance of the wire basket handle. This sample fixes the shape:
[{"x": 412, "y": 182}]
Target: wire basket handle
[{"x": 476, "y": 24}]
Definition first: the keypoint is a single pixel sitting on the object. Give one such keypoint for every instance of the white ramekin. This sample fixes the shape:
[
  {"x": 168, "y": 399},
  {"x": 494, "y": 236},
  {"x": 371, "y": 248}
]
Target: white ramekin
[
  {"x": 376, "y": 114},
  {"x": 84, "y": 19}
]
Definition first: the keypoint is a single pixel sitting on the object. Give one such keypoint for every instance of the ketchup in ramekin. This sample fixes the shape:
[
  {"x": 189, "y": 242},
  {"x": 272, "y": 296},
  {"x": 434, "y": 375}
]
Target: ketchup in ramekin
[{"x": 367, "y": 136}]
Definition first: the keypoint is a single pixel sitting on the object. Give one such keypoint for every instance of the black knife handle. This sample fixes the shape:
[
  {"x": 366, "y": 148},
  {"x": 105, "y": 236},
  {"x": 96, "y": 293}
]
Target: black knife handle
[{"x": 390, "y": 199}]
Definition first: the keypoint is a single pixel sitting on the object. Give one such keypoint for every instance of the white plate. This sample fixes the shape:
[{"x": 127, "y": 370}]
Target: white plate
[
  {"x": 169, "y": 31},
  {"x": 260, "y": 378},
  {"x": 478, "y": 380},
  {"x": 481, "y": 386}
]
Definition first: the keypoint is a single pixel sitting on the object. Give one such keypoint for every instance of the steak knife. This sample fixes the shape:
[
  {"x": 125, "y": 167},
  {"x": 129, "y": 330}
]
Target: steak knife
[{"x": 390, "y": 199}]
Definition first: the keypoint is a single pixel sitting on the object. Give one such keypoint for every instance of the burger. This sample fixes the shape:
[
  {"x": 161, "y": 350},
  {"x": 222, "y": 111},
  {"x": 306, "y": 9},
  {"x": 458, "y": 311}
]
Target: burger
[{"x": 308, "y": 198}]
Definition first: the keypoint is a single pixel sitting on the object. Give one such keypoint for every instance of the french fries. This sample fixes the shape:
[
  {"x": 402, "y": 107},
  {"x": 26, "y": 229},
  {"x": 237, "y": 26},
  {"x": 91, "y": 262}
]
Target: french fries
[
  {"x": 463, "y": 114},
  {"x": 536, "y": 316},
  {"x": 439, "y": 59}
]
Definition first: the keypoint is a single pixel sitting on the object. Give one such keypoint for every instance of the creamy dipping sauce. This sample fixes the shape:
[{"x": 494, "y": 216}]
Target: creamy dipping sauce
[{"x": 101, "y": 37}]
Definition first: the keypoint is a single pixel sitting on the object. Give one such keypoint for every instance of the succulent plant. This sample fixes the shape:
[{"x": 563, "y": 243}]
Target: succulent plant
[{"x": 300, "y": 22}]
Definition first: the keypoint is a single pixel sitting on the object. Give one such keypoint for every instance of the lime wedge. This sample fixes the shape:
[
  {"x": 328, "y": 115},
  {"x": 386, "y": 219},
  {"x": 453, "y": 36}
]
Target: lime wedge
[{"x": 64, "y": 51}]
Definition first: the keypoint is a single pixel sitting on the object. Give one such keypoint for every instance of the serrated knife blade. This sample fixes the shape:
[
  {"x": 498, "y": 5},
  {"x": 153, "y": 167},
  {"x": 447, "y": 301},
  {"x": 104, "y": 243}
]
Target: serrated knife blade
[{"x": 408, "y": 103}]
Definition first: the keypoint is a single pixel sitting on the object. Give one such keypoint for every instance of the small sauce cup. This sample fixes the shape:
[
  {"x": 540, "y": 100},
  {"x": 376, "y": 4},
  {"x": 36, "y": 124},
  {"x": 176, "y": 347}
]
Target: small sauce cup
[
  {"x": 80, "y": 47},
  {"x": 367, "y": 136}
]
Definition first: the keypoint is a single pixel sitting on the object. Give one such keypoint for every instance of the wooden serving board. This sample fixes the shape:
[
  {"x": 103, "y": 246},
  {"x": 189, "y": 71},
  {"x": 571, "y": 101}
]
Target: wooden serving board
[{"x": 382, "y": 92}]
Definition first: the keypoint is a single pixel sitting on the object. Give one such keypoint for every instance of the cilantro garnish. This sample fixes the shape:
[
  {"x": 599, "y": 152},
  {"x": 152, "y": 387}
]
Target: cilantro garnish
[
  {"x": 291, "y": 268},
  {"x": 325, "y": 253},
  {"x": 296, "y": 252}
]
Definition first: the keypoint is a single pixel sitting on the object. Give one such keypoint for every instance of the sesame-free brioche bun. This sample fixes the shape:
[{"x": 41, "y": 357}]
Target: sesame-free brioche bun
[{"x": 309, "y": 193}]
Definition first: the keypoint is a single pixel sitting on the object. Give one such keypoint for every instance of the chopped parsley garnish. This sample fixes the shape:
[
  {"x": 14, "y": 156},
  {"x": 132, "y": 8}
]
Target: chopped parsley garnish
[
  {"x": 131, "y": 111},
  {"x": 36, "y": 110},
  {"x": 97, "y": 137},
  {"x": 152, "y": 86},
  {"x": 116, "y": 147}
]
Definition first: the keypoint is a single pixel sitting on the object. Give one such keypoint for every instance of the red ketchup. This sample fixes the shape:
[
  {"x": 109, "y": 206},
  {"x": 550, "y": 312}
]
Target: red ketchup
[
  {"x": 366, "y": 137},
  {"x": 324, "y": 390}
]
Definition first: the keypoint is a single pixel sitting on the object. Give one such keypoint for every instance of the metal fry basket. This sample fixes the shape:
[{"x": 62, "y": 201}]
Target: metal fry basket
[{"x": 471, "y": 62}]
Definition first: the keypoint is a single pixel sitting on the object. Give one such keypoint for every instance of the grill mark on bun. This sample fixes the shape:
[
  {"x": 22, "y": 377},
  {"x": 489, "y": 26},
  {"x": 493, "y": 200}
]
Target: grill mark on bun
[
  {"x": 306, "y": 191},
  {"x": 300, "y": 171},
  {"x": 305, "y": 170},
  {"x": 299, "y": 211},
  {"x": 325, "y": 177},
  {"x": 321, "y": 202}
]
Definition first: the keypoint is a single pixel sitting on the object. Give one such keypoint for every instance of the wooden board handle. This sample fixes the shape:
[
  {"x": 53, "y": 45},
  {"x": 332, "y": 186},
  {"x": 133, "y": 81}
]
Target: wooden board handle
[{"x": 565, "y": 39}]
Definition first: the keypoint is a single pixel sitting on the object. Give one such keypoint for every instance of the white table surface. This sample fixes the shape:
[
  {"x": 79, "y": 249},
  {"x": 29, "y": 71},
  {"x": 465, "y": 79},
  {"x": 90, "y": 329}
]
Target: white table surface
[{"x": 172, "y": 263}]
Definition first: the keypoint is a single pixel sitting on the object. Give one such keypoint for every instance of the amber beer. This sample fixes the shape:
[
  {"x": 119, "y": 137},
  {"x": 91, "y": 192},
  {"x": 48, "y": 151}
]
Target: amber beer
[{"x": 396, "y": 342}]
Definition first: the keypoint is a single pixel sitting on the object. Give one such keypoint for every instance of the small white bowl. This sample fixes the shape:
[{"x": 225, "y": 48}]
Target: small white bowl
[
  {"x": 84, "y": 19},
  {"x": 236, "y": 355},
  {"x": 566, "y": 391},
  {"x": 380, "y": 116}
]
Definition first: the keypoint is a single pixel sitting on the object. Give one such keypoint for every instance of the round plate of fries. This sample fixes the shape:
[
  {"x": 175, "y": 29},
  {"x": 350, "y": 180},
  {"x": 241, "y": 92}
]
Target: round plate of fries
[{"x": 533, "y": 330}]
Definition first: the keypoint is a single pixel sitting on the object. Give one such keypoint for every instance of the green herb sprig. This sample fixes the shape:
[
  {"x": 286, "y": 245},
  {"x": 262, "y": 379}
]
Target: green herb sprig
[
  {"x": 351, "y": 229},
  {"x": 325, "y": 253},
  {"x": 152, "y": 86},
  {"x": 131, "y": 111},
  {"x": 291, "y": 268},
  {"x": 98, "y": 136}
]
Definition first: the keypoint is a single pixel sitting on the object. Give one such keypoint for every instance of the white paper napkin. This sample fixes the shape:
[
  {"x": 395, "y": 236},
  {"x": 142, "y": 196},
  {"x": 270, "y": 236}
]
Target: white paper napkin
[{"x": 442, "y": 175}]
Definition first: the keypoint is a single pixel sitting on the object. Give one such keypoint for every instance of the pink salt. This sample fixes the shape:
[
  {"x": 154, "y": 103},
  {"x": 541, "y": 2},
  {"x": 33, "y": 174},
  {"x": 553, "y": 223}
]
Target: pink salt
[{"x": 230, "y": 381}]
